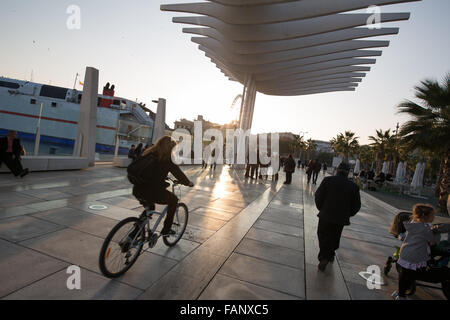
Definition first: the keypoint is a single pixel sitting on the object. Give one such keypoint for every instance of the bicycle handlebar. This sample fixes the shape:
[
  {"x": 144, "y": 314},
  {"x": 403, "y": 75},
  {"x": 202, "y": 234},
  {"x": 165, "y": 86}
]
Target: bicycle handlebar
[{"x": 176, "y": 182}]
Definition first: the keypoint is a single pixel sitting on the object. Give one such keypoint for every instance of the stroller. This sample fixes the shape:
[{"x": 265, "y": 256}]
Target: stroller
[{"x": 439, "y": 255}]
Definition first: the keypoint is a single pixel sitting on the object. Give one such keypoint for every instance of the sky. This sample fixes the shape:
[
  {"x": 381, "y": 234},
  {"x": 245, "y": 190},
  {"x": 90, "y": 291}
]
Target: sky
[{"x": 138, "y": 48}]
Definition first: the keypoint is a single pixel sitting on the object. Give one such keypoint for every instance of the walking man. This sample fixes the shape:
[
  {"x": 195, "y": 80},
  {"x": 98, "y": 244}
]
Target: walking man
[
  {"x": 337, "y": 199},
  {"x": 316, "y": 170},
  {"x": 310, "y": 169},
  {"x": 289, "y": 168},
  {"x": 10, "y": 154}
]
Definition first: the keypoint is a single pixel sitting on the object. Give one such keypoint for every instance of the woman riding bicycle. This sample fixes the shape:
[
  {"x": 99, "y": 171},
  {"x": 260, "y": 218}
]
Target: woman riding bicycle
[{"x": 152, "y": 182}]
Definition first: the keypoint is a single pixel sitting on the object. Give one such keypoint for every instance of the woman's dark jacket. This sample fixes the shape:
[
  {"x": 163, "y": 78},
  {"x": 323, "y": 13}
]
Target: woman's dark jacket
[
  {"x": 156, "y": 173},
  {"x": 337, "y": 199},
  {"x": 289, "y": 165}
]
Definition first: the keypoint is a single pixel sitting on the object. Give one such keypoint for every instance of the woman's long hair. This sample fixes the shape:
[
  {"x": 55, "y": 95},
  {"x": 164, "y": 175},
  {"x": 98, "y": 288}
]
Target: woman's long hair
[{"x": 162, "y": 148}]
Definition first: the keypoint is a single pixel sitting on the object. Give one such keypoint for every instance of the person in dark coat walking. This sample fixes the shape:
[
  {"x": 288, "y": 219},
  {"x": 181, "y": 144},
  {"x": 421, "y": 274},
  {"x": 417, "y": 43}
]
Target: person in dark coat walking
[
  {"x": 325, "y": 168},
  {"x": 337, "y": 199},
  {"x": 289, "y": 168},
  {"x": 10, "y": 154},
  {"x": 131, "y": 152},
  {"x": 310, "y": 169},
  {"x": 316, "y": 170},
  {"x": 138, "y": 151}
]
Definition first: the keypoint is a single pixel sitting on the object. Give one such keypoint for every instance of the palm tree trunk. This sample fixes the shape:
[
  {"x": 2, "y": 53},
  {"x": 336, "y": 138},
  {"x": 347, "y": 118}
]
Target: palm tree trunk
[{"x": 445, "y": 184}]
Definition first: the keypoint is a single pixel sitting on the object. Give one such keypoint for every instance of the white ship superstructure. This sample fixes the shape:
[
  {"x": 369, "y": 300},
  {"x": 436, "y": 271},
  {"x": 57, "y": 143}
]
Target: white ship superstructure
[{"x": 20, "y": 106}]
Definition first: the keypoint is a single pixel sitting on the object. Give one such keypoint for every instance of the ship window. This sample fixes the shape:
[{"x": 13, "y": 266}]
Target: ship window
[
  {"x": 33, "y": 101},
  {"x": 99, "y": 101},
  {"x": 54, "y": 104},
  {"x": 11, "y": 85},
  {"x": 116, "y": 102},
  {"x": 53, "y": 92},
  {"x": 79, "y": 98}
]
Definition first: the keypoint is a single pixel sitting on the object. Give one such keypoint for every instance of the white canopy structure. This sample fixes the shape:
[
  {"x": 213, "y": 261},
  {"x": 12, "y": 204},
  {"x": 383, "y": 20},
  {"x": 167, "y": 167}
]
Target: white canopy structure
[
  {"x": 287, "y": 47},
  {"x": 357, "y": 168},
  {"x": 400, "y": 173},
  {"x": 385, "y": 168}
]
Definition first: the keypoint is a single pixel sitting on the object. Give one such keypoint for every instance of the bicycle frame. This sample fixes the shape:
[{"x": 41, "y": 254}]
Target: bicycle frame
[{"x": 149, "y": 213}]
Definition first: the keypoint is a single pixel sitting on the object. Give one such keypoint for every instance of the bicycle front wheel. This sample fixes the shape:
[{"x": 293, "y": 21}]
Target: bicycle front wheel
[
  {"x": 122, "y": 247},
  {"x": 179, "y": 224}
]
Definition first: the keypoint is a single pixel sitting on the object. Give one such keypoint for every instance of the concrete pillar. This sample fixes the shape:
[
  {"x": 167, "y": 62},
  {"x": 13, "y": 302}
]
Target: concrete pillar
[
  {"x": 160, "y": 121},
  {"x": 87, "y": 123},
  {"x": 244, "y": 97},
  {"x": 252, "y": 107},
  {"x": 248, "y": 103}
]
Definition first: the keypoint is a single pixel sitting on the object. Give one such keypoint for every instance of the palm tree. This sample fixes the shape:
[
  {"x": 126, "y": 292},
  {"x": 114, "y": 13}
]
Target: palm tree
[
  {"x": 310, "y": 148},
  {"x": 366, "y": 155},
  {"x": 384, "y": 143},
  {"x": 345, "y": 144},
  {"x": 297, "y": 144},
  {"x": 429, "y": 128}
]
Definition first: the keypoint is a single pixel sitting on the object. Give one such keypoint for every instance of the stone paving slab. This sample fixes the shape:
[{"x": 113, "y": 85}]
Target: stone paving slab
[
  {"x": 123, "y": 202},
  {"x": 275, "y": 238},
  {"x": 281, "y": 219},
  {"x": 278, "y": 227},
  {"x": 147, "y": 270},
  {"x": 21, "y": 266},
  {"x": 15, "y": 199},
  {"x": 174, "y": 286},
  {"x": 16, "y": 211},
  {"x": 21, "y": 228},
  {"x": 178, "y": 252},
  {"x": 112, "y": 212},
  {"x": 371, "y": 238},
  {"x": 266, "y": 274},
  {"x": 69, "y": 245},
  {"x": 227, "y": 288},
  {"x": 78, "y": 220},
  {"x": 214, "y": 213},
  {"x": 93, "y": 287},
  {"x": 46, "y": 194},
  {"x": 205, "y": 222},
  {"x": 196, "y": 234},
  {"x": 272, "y": 253}
]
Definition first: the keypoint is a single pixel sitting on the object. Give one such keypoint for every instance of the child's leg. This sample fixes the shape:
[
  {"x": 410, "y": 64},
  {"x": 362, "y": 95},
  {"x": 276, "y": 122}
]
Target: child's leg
[{"x": 405, "y": 280}]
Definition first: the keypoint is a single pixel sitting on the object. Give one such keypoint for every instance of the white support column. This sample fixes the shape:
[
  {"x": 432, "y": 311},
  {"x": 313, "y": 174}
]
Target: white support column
[
  {"x": 252, "y": 107},
  {"x": 160, "y": 121},
  {"x": 87, "y": 123},
  {"x": 248, "y": 104},
  {"x": 244, "y": 97}
]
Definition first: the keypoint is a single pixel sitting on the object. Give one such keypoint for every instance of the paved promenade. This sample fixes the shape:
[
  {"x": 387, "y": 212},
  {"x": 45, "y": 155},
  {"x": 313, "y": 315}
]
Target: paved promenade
[{"x": 245, "y": 240}]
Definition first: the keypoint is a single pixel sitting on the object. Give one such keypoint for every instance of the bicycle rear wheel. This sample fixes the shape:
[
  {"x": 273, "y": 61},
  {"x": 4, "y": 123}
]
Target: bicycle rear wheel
[
  {"x": 179, "y": 224},
  {"x": 121, "y": 247}
]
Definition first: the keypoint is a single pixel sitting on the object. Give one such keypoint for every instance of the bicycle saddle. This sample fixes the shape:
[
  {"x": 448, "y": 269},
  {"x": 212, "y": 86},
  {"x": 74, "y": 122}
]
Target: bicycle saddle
[{"x": 145, "y": 204}]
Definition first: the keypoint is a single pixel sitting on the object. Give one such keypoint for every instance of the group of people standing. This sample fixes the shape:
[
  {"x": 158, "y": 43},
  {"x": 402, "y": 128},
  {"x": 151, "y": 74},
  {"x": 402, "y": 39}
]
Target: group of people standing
[
  {"x": 261, "y": 171},
  {"x": 313, "y": 168},
  {"x": 135, "y": 152}
]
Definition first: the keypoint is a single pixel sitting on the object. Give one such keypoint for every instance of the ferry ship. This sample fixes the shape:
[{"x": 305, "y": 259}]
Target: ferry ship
[{"x": 20, "y": 110}]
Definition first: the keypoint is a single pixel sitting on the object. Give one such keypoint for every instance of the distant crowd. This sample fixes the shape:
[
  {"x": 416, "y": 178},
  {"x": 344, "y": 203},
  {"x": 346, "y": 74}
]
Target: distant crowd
[{"x": 136, "y": 152}]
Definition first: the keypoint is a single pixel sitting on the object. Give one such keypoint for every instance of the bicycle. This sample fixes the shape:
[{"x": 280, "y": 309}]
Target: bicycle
[{"x": 129, "y": 241}]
